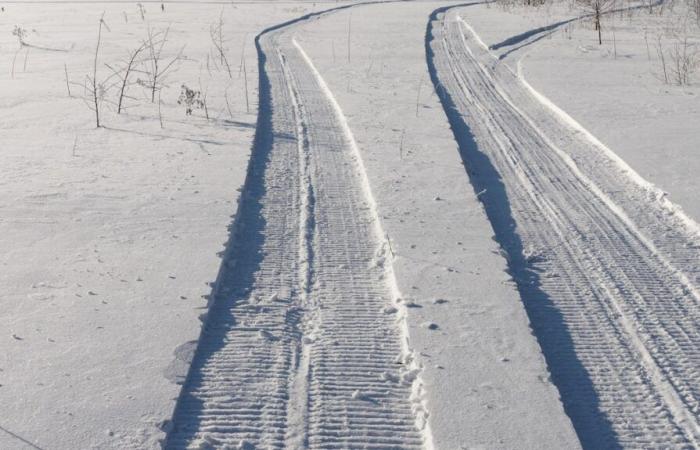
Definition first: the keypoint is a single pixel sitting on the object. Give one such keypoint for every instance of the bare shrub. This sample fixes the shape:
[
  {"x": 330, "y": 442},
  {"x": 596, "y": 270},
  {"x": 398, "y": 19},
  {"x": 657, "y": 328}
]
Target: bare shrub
[
  {"x": 20, "y": 33},
  {"x": 128, "y": 66},
  {"x": 684, "y": 57},
  {"x": 596, "y": 8},
  {"x": 157, "y": 66}
]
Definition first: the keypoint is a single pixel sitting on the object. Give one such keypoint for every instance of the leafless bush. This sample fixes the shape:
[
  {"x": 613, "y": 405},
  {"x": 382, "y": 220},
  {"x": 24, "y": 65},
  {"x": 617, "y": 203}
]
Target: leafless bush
[
  {"x": 123, "y": 72},
  {"x": 680, "y": 59},
  {"x": 157, "y": 66},
  {"x": 20, "y": 33},
  {"x": 684, "y": 57},
  {"x": 216, "y": 31}
]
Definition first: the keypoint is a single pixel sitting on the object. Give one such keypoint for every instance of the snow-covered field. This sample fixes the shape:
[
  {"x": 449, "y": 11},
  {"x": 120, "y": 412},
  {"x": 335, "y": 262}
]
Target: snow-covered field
[
  {"x": 110, "y": 236},
  {"x": 434, "y": 247}
]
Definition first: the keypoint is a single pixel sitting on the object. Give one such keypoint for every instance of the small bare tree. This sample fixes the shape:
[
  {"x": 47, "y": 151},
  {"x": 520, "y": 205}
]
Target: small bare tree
[
  {"x": 596, "y": 8},
  {"x": 157, "y": 67},
  {"x": 684, "y": 56},
  {"x": 20, "y": 33}
]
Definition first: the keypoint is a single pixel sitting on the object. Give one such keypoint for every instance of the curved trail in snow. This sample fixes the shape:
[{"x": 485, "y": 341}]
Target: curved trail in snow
[
  {"x": 303, "y": 346},
  {"x": 607, "y": 271}
]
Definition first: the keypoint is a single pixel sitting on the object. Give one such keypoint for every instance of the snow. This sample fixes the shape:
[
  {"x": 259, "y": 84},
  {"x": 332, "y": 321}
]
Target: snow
[
  {"x": 362, "y": 238},
  {"x": 621, "y": 100},
  {"x": 561, "y": 204},
  {"x": 110, "y": 237}
]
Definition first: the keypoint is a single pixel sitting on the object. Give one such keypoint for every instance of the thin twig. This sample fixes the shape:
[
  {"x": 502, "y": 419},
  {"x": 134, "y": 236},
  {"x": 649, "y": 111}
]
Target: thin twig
[
  {"x": 160, "y": 114},
  {"x": 26, "y": 56},
  {"x": 245, "y": 82},
  {"x": 228, "y": 105},
  {"x": 65, "y": 69}
]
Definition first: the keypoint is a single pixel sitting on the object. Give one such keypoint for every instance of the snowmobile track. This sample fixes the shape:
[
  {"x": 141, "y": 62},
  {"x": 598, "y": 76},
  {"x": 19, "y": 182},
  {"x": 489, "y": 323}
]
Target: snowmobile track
[
  {"x": 297, "y": 350},
  {"x": 606, "y": 269}
]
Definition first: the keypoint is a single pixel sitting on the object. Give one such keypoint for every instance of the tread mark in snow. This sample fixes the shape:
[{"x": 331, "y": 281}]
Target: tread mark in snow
[
  {"x": 296, "y": 347},
  {"x": 615, "y": 311}
]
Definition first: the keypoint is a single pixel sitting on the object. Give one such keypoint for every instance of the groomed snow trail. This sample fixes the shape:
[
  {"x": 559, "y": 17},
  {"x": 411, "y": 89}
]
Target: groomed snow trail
[
  {"x": 302, "y": 346},
  {"x": 608, "y": 276}
]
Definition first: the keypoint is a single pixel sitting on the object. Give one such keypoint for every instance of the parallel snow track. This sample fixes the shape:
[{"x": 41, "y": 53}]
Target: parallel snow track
[
  {"x": 608, "y": 277},
  {"x": 298, "y": 350}
]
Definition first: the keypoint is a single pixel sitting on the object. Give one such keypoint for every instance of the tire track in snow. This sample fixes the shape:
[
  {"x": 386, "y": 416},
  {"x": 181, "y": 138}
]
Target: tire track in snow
[
  {"x": 615, "y": 313},
  {"x": 302, "y": 346}
]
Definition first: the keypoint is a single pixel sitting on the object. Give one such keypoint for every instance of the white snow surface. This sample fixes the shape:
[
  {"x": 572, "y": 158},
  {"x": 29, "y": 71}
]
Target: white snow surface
[{"x": 110, "y": 238}]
